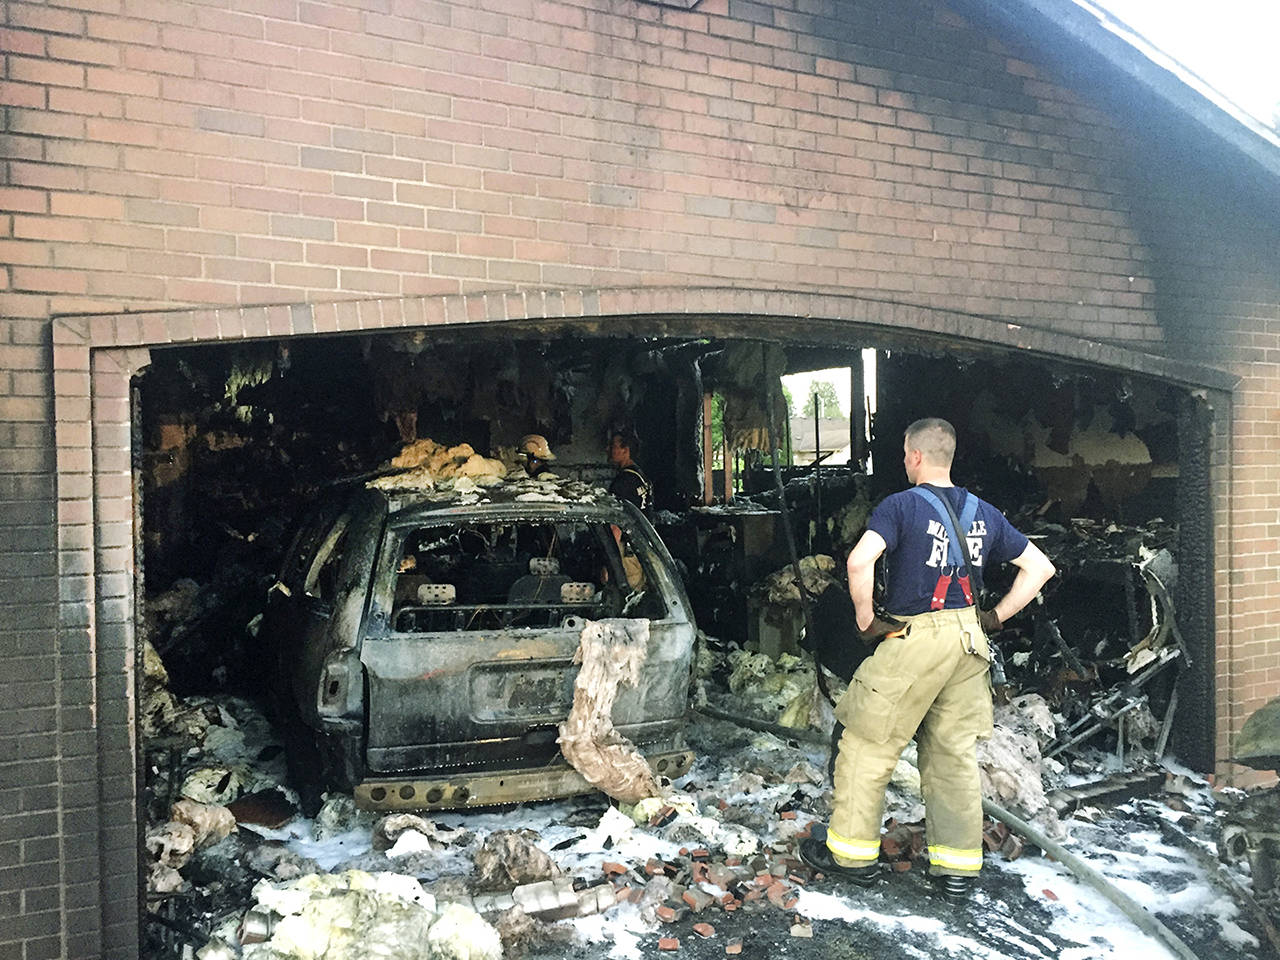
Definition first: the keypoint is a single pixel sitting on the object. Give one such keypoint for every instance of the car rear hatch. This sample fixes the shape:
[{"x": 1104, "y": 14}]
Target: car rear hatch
[{"x": 472, "y": 668}]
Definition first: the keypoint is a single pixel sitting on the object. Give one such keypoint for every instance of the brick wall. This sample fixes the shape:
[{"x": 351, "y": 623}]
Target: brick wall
[
  {"x": 162, "y": 153},
  {"x": 285, "y": 150}
]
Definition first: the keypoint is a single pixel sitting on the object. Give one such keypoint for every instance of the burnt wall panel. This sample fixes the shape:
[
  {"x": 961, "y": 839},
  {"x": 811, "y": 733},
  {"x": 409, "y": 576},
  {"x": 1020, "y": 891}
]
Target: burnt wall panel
[{"x": 1195, "y": 729}]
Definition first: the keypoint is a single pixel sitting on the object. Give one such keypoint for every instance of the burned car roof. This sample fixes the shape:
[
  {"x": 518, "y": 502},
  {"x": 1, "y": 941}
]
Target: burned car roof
[{"x": 524, "y": 497}]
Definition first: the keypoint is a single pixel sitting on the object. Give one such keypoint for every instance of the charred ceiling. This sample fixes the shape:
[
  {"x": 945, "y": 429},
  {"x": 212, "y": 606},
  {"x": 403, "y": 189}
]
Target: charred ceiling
[{"x": 239, "y": 441}]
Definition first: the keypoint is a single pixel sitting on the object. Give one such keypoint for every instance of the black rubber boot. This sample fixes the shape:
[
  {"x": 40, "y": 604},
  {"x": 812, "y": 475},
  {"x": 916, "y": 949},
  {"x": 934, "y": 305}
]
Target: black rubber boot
[
  {"x": 953, "y": 888},
  {"x": 814, "y": 852}
]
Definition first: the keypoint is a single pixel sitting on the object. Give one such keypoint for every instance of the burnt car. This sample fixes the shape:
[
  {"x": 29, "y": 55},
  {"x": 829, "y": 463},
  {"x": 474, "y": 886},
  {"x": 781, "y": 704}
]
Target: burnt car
[{"x": 426, "y": 644}]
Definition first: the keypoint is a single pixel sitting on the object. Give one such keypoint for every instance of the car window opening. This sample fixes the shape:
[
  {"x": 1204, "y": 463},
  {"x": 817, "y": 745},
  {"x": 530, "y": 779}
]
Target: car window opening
[{"x": 484, "y": 576}]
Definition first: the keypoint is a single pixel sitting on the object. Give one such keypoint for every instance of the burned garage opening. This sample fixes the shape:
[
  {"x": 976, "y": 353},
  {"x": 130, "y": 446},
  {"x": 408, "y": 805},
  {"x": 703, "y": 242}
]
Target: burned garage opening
[{"x": 358, "y": 585}]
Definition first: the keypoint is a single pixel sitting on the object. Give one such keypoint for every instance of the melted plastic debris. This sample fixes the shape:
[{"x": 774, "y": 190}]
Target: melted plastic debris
[
  {"x": 779, "y": 691},
  {"x": 338, "y": 815}
]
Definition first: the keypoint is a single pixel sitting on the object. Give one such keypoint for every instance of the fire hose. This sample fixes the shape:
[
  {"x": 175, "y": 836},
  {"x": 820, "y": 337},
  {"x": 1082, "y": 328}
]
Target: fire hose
[{"x": 1142, "y": 918}]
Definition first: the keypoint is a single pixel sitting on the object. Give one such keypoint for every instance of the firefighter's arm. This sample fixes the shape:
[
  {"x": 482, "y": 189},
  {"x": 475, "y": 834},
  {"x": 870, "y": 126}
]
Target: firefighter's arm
[
  {"x": 862, "y": 575},
  {"x": 1034, "y": 571}
]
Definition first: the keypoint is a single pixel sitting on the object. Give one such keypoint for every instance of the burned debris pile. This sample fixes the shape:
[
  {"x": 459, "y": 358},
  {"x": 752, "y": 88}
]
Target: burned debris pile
[
  {"x": 238, "y": 871},
  {"x": 1104, "y": 647}
]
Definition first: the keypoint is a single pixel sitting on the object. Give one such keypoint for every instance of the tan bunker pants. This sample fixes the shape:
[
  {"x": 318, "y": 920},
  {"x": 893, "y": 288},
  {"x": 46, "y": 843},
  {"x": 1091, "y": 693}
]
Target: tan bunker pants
[{"x": 933, "y": 684}]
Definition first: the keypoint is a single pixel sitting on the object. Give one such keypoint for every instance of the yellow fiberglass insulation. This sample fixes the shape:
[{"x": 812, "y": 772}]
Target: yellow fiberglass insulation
[
  {"x": 438, "y": 462},
  {"x": 610, "y": 652},
  {"x": 360, "y": 916}
]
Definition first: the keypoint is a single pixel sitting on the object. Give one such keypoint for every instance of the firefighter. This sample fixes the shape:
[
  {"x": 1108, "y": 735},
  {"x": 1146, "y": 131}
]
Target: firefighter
[
  {"x": 630, "y": 482},
  {"x": 928, "y": 675}
]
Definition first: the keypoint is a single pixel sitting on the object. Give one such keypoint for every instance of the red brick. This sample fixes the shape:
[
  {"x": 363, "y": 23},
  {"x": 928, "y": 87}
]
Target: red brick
[
  {"x": 86, "y": 102},
  {"x": 83, "y": 51},
  {"x": 16, "y": 42},
  {"x": 124, "y": 30},
  {"x": 38, "y": 279},
  {"x": 668, "y": 943}
]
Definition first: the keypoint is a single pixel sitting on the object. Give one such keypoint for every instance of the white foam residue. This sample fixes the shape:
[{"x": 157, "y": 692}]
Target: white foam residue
[
  {"x": 622, "y": 925},
  {"x": 1083, "y": 916},
  {"x": 411, "y": 841},
  {"x": 1192, "y": 894},
  {"x": 826, "y": 906},
  {"x": 328, "y": 853}
]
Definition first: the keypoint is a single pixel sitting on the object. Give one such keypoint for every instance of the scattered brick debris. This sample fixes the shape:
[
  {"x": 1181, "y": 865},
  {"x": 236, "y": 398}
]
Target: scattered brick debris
[
  {"x": 733, "y": 947},
  {"x": 612, "y": 869},
  {"x": 901, "y": 866},
  {"x": 702, "y": 853},
  {"x": 655, "y": 867},
  {"x": 667, "y": 914},
  {"x": 663, "y": 817},
  {"x": 787, "y": 815},
  {"x": 704, "y": 930},
  {"x": 778, "y": 894},
  {"x": 669, "y": 943},
  {"x": 1050, "y": 894},
  {"x": 993, "y": 835},
  {"x": 1011, "y": 849},
  {"x": 698, "y": 900},
  {"x": 720, "y": 874}
]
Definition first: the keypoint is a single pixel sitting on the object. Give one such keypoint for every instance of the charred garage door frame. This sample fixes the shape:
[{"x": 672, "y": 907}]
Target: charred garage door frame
[{"x": 95, "y": 358}]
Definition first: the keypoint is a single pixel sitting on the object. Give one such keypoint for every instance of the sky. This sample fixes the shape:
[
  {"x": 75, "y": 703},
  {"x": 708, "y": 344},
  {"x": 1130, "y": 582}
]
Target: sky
[{"x": 1233, "y": 45}]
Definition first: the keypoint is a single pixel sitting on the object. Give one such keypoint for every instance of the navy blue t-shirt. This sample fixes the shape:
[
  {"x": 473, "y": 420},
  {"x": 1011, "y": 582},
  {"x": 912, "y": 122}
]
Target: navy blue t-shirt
[{"x": 916, "y": 545}]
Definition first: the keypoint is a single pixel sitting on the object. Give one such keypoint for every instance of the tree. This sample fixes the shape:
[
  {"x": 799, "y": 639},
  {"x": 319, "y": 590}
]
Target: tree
[{"x": 825, "y": 393}]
